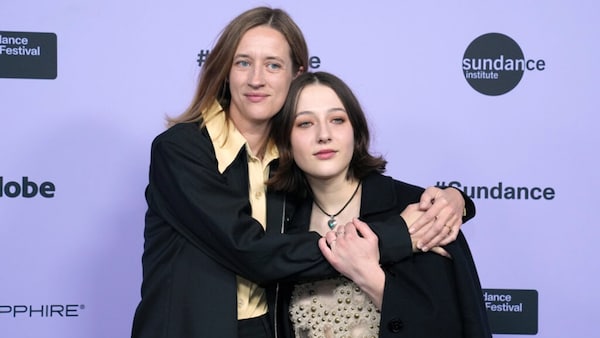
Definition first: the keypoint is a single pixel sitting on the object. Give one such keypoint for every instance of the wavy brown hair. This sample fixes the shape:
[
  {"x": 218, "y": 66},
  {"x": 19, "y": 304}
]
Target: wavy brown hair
[
  {"x": 212, "y": 83},
  {"x": 289, "y": 177}
]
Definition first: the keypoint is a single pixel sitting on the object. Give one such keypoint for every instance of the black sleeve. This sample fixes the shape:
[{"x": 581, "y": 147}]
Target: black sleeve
[
  {"x": 188, "y": 193},
  {"x": 394, "y": 239}
]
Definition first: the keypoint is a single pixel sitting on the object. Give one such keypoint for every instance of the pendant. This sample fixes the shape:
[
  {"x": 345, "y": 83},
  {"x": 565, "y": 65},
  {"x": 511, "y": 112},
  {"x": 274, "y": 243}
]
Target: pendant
[{"x": 331, "y": 223}]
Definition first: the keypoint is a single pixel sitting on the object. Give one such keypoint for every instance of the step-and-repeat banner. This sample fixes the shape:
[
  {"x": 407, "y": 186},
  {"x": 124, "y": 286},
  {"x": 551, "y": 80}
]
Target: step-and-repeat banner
[{"x": 497, "y": 99}]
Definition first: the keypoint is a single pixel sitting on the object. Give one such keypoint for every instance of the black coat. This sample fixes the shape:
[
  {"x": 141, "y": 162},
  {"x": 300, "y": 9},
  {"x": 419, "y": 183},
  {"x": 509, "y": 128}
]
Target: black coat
[
  {"x": 426, "y": 295},
  {"x": 199, "y": 235}
]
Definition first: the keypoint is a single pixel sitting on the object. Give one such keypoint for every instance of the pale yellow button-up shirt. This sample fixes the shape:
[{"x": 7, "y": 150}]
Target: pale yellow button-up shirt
[{"x": 228, "y": 141}]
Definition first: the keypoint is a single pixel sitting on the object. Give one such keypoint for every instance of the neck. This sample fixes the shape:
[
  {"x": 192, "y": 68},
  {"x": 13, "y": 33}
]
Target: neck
[
  {"x": 332, "y": 195},
  {"x": 256, "y": 134},
  {"x": 257, "y": 143}
]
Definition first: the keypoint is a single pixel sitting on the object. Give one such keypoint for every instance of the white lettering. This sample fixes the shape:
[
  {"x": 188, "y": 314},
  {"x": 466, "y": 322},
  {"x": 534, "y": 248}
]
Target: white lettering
[
  {"x": 11, "y": 40},
  {"x": 504, "y": 307},
  {"x": 502, "y": 64},
  {"x": 4, "y": 50}
]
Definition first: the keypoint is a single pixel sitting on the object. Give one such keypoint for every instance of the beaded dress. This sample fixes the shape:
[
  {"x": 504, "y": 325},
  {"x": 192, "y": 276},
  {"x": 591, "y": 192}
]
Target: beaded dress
[{"x": 333, "y": 308}]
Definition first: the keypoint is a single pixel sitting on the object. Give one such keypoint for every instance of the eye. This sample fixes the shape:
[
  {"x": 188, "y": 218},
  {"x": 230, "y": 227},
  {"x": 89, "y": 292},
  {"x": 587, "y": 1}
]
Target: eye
[
  {"x": 274, "y": 66},
  {"x": 303, "y": 121},
  {"x": 338, "y": 120},
  {"x": 303, "y": 124},
  {"x": 242, "y": 63}
]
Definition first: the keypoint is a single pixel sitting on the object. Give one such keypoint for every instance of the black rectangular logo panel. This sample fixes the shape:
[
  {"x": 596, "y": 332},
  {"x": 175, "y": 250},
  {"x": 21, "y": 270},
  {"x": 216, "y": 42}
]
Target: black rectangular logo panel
[
  {"x": 512, "y": 311},
  {"x": 28, "y": 55}
]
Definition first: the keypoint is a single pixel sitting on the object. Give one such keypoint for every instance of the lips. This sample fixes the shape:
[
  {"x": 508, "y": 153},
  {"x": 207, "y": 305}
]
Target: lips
[
  {"x": 255, "y": 97},
  {"x": 325, "y": 154}
]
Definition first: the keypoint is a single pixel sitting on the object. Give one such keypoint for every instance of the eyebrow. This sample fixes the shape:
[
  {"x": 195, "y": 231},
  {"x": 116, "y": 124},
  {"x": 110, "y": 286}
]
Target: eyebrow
[
  {"x": 280, "y": 59},
  {"x": 330, "y": 110}
]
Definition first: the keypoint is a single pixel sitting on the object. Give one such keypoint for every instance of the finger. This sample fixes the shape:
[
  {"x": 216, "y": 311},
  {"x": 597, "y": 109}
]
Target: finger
[
  {"x": 435, "y": 241},
  {"x": 443, "y": 218},
  {"x": 326, "y": 250},
  {"x": 350, "y": 230},
  {"x": 427, "y": 217},
  {"x": 440, "y": 251},
  {"x": 433, "y": 237},
  {"x": 428, "y": 233},
  {"x": 445, "y": 236},
  {"x": 436, "y": 232},
  {"x": 452, "y": 221},
  {"x": 330, "y": 237},
  {"x": 419, "y": 223},
  {"x": 427, "y": 197},
  {"x": 455, "y": 228},
  {"x": 342, "y": 231}
]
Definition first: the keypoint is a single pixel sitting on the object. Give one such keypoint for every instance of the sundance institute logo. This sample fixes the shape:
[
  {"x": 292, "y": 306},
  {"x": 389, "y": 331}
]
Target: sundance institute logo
[{"x": 494, "y": 64}]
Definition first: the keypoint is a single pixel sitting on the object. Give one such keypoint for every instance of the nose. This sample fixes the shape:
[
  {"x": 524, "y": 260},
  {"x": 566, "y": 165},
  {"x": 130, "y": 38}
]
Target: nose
[
  {"x": 324, "y": 135},
  {"x": 256, "y": 77}
]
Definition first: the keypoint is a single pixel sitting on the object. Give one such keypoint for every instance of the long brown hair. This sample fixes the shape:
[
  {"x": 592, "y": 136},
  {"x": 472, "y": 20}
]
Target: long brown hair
[
  {"x": 289, "y": 177},
  {"x": 212, "y": 84}
]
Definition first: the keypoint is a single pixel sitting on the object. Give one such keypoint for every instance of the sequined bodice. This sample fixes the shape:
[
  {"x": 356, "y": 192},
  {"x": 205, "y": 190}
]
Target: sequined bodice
[{"x": 333, "y": 308}]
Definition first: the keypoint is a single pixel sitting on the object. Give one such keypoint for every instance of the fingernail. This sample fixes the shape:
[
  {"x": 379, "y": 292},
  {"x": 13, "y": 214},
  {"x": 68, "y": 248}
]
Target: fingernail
[
  {"x": 411, "y": 230},
  {"x": 424, "y": 249}
]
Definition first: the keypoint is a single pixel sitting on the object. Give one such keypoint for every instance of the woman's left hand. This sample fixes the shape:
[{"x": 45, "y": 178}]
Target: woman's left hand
[{"x": 445, "y": 207}]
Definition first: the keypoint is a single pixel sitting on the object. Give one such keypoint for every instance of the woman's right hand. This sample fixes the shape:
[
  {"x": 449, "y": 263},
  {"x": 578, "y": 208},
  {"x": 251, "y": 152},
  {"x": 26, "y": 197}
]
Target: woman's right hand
[{"x": 353, "y": 251}]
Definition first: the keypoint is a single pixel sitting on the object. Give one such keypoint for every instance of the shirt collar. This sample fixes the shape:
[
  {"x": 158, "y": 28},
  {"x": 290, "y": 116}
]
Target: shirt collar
[{"x": 227, "y": 139}]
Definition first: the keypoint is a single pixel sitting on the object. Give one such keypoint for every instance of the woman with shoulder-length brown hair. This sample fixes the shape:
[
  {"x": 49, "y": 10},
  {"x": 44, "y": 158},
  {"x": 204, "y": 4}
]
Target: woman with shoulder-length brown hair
[{"x": 323, "y": 139}]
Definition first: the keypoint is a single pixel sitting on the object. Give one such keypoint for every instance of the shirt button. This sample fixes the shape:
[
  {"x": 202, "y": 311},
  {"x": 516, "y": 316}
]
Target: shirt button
[
  {"x": 395, "y": 325},
  {"x": 258, "y": 194}
]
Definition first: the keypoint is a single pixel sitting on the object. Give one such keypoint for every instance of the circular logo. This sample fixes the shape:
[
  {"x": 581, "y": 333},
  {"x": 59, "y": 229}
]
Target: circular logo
[{"x": 493, "y": 64}]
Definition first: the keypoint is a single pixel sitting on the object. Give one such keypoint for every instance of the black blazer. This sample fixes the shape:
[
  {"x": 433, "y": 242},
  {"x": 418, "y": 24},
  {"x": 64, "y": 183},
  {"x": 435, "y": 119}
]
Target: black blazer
[
  {"x": 199, "y": 235},
  {"x": 425, "y": 295}
]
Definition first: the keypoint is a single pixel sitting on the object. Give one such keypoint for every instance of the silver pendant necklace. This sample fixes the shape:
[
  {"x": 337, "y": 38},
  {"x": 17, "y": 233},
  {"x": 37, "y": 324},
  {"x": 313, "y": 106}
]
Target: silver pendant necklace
[{"x": 331, "y": 223}]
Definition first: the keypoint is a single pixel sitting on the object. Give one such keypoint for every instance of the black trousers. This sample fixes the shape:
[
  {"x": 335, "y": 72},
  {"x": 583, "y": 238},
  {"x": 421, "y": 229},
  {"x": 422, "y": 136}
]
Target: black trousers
[{"x": 258, "y": 327}]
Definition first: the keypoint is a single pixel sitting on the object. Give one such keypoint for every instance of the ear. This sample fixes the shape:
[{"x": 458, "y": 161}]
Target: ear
[{"x": 300, "y": 71}]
